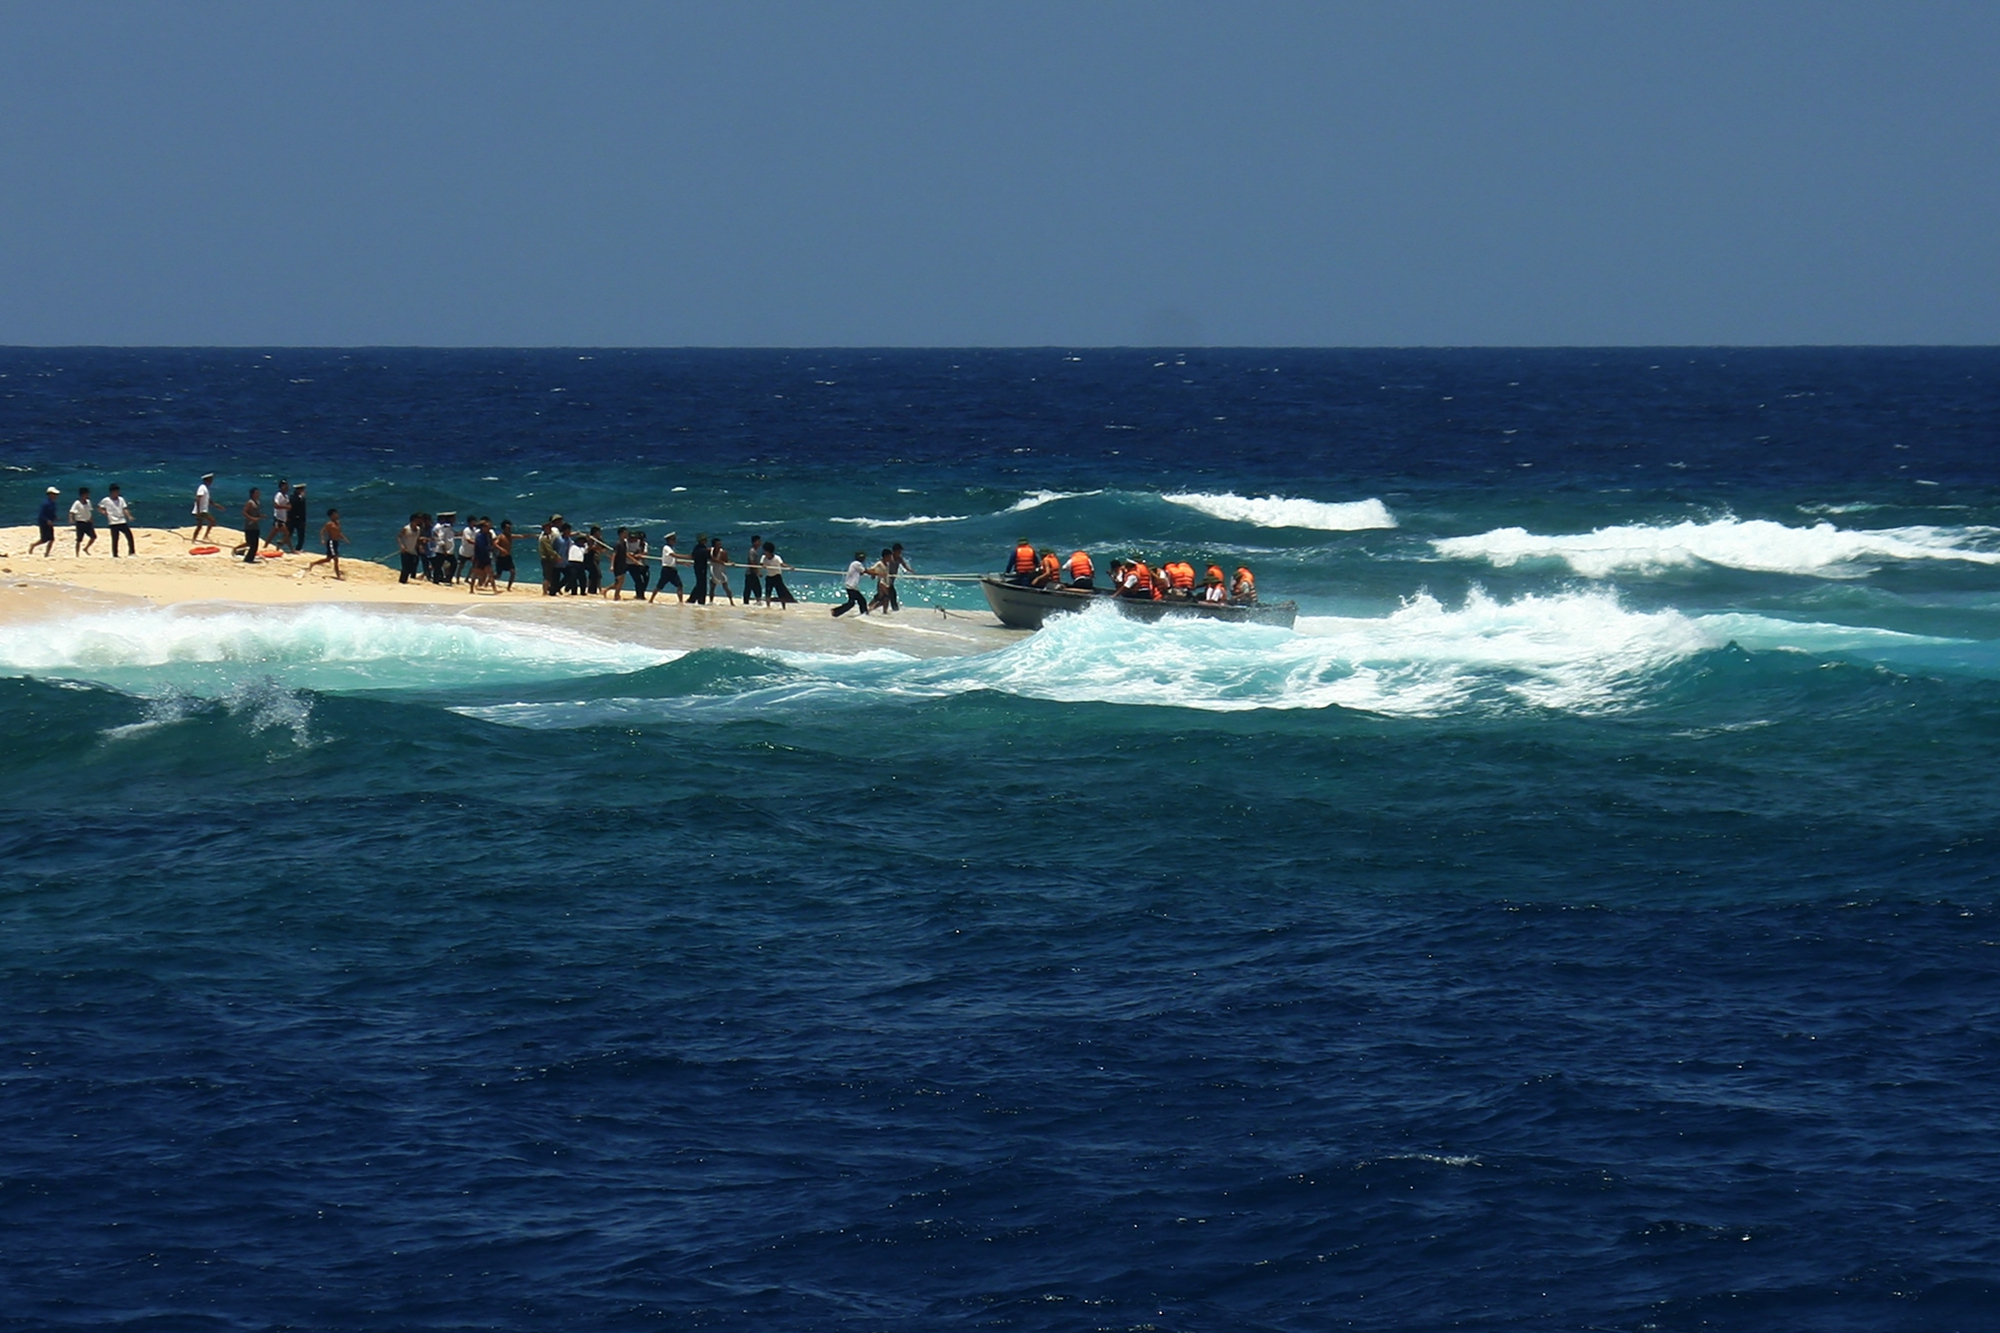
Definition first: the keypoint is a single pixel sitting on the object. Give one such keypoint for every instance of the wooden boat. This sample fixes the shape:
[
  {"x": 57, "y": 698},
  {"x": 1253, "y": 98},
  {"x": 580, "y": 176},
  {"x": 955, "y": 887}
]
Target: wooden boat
[{"x": 1026, "y": 608}]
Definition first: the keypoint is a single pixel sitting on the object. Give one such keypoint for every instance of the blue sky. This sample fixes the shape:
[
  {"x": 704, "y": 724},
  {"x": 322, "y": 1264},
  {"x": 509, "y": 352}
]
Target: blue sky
[{"x": 910, "y": 174}]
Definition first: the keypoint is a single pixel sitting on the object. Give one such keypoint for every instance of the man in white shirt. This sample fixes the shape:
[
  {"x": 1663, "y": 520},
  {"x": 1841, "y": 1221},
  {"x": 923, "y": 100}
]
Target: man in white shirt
[
  {"x": 281, "y": 516},
  {"x": 81, "y": 515},
  {"x": 774, "y": 578},
  {"x": 852, "y": 580},
  {"x": 204, "y": 516},
  {"x": 669, "y": 570},
  {"x": 443, "y": 567},
  {"x": 118, "y": 515}
]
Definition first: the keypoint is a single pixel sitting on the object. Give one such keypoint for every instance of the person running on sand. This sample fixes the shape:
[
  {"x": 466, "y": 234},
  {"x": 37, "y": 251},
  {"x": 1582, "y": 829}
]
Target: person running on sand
[
  {"x": 669, "y": 571},
  {"x": 118, "y": 515},
  {"x": 82, "y": 516},
  {"x": 45, "y": 523},
  {"x": 204, "y": 515},
  {"x": 330, "y": 537}
]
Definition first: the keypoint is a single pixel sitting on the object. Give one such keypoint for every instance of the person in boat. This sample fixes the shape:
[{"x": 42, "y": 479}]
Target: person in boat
[
  {"x": 1213, "y": 590},
  {"x": 1244, "y": 590},
  {"x": 1021, "y": 565},
  {"x": 1080, "y": 572},
  {"x": 1048, "y": 571},
  {"x": 1179, "y": 578},
  {"x": 1137, "y": 582}
]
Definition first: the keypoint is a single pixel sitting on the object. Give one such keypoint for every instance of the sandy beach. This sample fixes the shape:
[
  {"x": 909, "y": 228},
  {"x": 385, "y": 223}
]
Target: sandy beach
[{"x": 38, "y": 587}]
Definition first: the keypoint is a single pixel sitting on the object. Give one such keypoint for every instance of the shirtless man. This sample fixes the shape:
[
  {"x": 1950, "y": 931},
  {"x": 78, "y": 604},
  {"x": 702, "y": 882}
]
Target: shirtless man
[
  {"x": 331, "y": 537},
  {"x": 253, "y": 524}
]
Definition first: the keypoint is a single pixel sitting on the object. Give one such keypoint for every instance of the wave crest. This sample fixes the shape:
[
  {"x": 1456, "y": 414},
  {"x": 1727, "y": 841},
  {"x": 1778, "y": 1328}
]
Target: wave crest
[
  {"x": 1279, "y": 511},
  {"x": 1575, "y": 652},
  {"x": 1757, "y": 545},
  {"x": 326, "y": 647}
]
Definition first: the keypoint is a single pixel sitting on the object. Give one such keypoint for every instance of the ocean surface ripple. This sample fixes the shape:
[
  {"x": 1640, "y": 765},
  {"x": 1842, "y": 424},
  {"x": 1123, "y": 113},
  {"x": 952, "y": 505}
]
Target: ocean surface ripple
[{"x": 1587, "y": 916}]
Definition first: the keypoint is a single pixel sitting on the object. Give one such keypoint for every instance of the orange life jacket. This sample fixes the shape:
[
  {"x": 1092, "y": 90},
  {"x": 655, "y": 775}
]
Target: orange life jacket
[
  {"x": 1024, "y": 559},
  {"x": 1050, "y": 567},
  {"x": 1079, "y": 566},
  {"x": 1246, "y": 583},
  {"x": 1182, "y": 575},
  {"x": 1215, "y": 572},
  {"x": 1142, "y": 578}
]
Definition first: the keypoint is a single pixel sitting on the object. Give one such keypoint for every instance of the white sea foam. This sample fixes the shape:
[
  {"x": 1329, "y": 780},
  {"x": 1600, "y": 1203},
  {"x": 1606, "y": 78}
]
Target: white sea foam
[
  {"x": 914, "y": 520},
  {"x": 1578, "y": 652},
  {"x": 1036, "y": 499},
  {"x": 1748, "y": 544},
  {"x": 159, "y": 650},
  {"x": 1278, "y": 511}
]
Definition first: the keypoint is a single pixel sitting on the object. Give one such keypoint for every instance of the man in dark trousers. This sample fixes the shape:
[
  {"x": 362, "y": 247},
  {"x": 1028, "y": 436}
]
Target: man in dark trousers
[
  {"x": 698, "y": 593},
  {"x": 253, "y": 524}
]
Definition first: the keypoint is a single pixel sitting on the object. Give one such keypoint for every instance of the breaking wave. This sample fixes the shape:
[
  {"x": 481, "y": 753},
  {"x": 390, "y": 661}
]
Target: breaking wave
[
  {"x": 156, "y": 650},
  {"x": 1278, "y": 511},
  {"x": 1575, "y": 652},
  {"x": 1036, "y": 499},
  {"x": 914, "y": 520},
  {"x": 1758, "y": 545}
]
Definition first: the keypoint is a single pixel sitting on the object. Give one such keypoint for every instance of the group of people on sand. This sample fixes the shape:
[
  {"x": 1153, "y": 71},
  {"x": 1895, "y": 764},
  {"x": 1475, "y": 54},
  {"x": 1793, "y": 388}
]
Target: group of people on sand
[
  {"x": 580, "y": 561},
  {"x": 117, "y": 511},
  {"x": 884, "y": 571},
  {"x": 288, "y": 523},
  {"x": 437, "y": 549},
  {"x": 1172, "y": 580}
]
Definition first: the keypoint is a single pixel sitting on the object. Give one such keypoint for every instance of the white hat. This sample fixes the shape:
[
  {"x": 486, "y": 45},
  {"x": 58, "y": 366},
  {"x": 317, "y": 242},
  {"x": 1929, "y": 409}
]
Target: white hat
[{"x": 54, "y": 491}]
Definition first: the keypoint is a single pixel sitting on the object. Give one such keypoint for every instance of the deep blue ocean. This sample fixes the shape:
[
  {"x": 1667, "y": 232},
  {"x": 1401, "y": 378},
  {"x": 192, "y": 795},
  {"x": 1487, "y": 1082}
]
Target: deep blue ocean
[{"x": 1588, "y": 917}]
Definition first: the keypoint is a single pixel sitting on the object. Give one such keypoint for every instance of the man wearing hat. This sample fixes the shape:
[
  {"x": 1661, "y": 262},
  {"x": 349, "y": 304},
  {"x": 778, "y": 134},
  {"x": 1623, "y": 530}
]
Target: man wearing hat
[
  {"x": 45, "y": 519},
  {"x": 204, "y": 514}
]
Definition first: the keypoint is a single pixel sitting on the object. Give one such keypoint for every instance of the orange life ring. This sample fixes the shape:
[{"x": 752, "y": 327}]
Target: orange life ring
[
  {"x": 269, "y": 555},
  {"x": 204, "y": 550}
]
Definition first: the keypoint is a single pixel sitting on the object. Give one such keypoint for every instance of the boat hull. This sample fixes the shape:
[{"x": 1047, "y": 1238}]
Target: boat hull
[{"x": 1026, "y": 608}]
